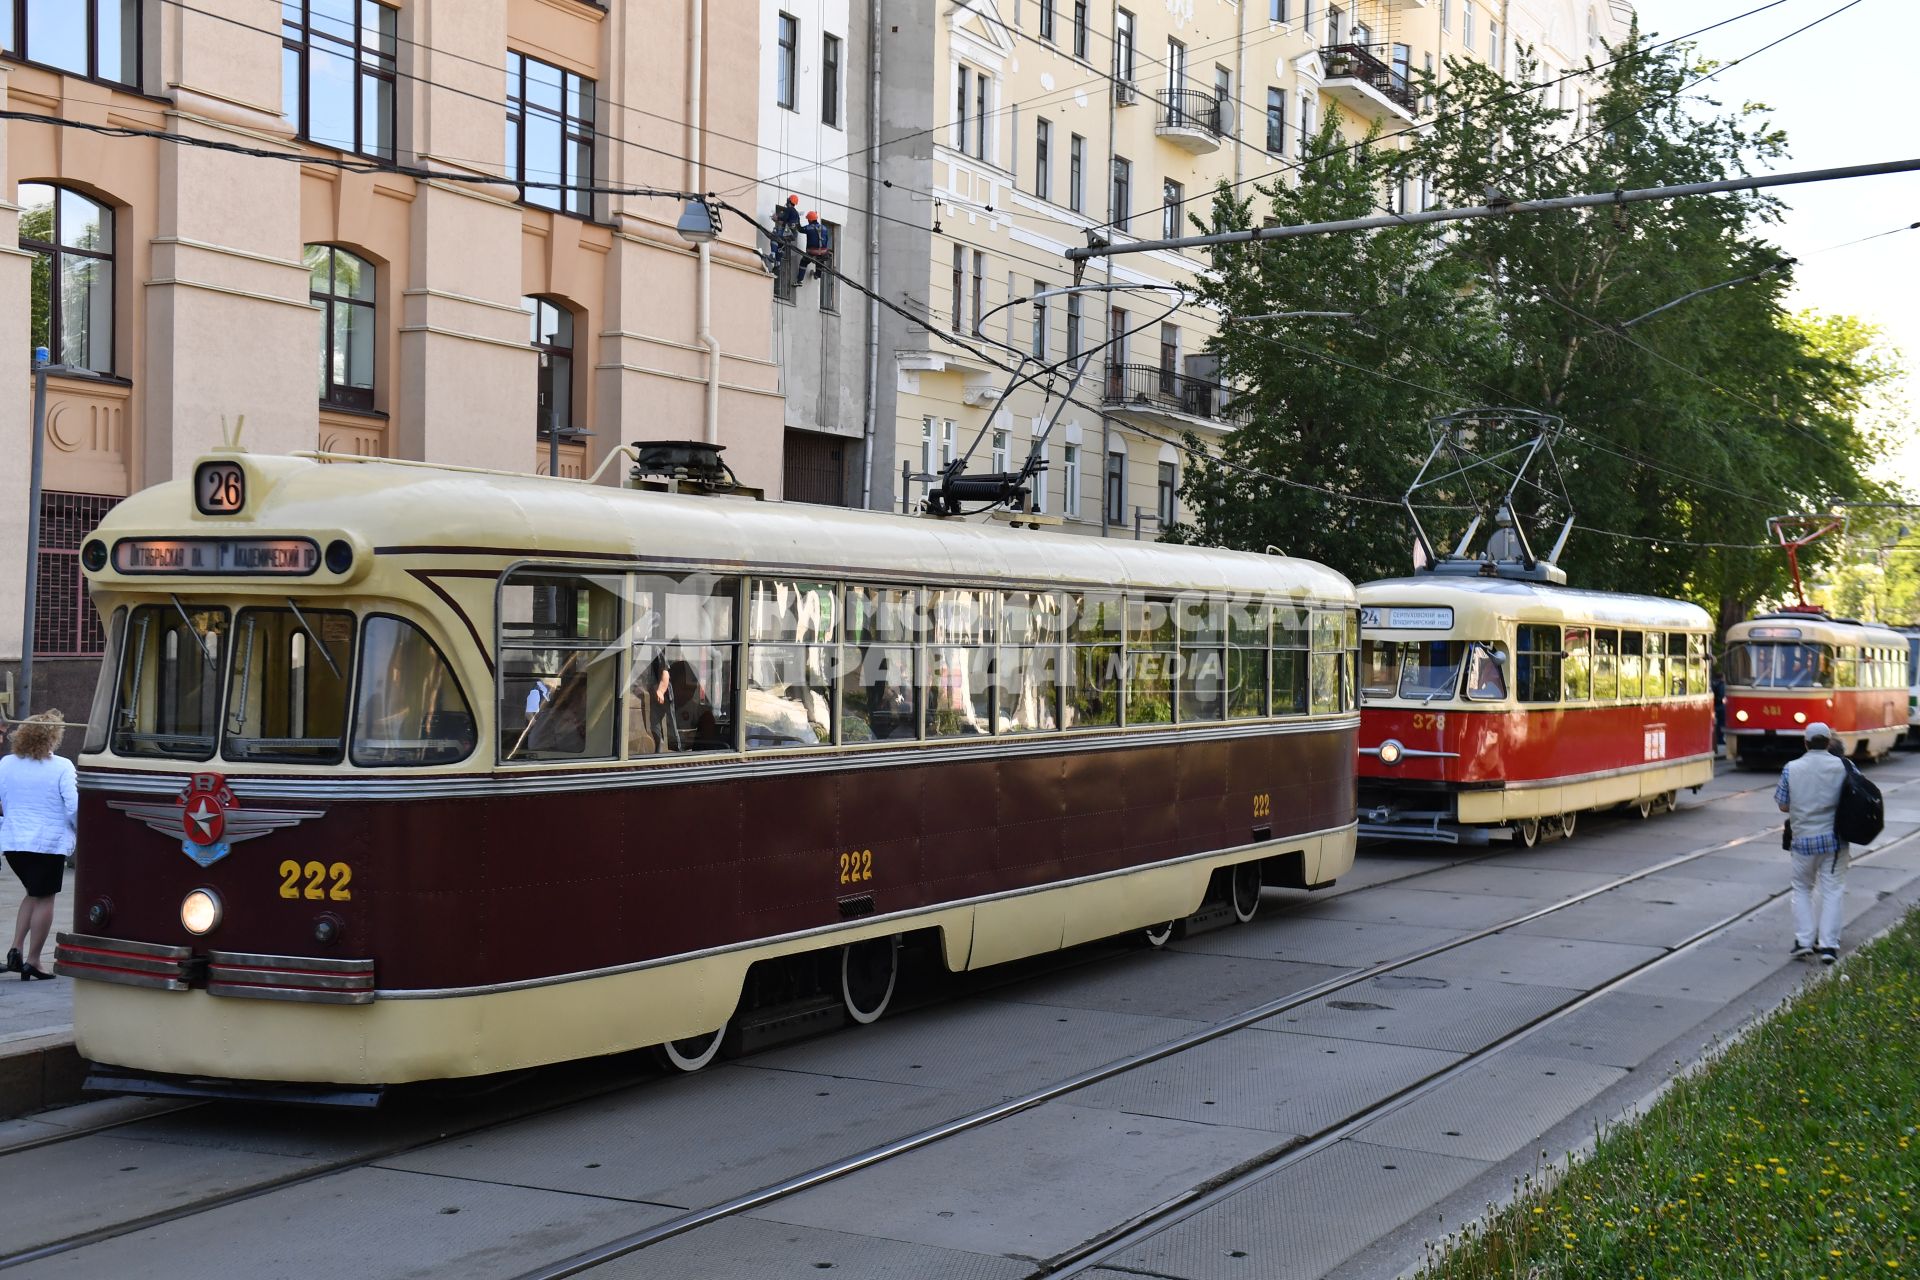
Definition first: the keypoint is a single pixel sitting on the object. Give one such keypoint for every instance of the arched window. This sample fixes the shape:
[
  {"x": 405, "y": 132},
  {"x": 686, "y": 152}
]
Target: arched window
[
  {"x": 551, "y": 333},
  {"x": 71, "y": 240},
  {"x": 342, "y": 291}
]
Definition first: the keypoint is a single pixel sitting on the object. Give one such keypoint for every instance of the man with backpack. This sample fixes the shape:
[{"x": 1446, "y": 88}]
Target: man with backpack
[{"x": 1812, "y": 790}]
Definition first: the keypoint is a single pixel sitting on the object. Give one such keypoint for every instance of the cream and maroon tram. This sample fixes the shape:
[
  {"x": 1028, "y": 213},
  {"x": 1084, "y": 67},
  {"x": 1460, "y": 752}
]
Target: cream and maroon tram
[
  {"x": 1788, "y": 669},
  {"x": 398, "y": 773},
  {"x": 1491, "y": 703}
]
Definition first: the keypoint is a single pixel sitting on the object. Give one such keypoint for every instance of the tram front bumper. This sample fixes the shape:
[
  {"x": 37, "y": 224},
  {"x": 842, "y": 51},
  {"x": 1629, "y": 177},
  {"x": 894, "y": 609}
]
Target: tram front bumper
[{"x": 306, "y": 979}]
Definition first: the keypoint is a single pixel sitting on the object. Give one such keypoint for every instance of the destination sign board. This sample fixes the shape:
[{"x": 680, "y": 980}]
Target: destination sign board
[
  {"x": 1774, "y": 633},
  {"x": 230, "y": 557},
  {"x": 1437, "y": 618}
]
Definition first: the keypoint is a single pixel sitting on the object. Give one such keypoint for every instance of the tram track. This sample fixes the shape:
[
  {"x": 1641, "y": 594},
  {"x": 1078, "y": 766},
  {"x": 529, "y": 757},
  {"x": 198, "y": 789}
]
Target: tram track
[{"x": 631, "y": 1079}]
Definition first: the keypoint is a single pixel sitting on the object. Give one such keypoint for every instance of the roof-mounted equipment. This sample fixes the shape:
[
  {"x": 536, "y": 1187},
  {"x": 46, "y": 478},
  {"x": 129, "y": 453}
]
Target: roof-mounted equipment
[
  {"x": 1474, "y": 451},
  {"x": 685, "y": 466}
]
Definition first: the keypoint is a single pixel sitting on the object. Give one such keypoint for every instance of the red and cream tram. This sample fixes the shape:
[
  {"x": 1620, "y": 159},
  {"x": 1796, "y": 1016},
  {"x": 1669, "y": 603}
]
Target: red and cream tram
[
  {"x": 1492, "y": 703},
  {"x": 1789, "y": 668},
  {"x": 398, "y": 772}
]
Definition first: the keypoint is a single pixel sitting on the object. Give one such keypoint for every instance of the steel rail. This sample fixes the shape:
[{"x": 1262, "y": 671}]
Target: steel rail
[
  {"x": 645, "y": 1238},
  {"x": 87, "y": 1131}
]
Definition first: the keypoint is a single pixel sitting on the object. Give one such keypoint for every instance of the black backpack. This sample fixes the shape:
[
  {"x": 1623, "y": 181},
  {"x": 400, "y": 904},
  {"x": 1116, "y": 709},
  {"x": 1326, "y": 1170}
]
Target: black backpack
[{"x": 1862, "y": 812}]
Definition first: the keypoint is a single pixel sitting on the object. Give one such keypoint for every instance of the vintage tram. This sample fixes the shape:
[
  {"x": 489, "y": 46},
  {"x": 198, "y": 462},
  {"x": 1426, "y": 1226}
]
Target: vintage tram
[
  {"x": 1912, "y": 636},
  {"x": 398, "y": 772},
  {"x": 1492, "y": 705},
  {"x": 1799, "y": 665}
]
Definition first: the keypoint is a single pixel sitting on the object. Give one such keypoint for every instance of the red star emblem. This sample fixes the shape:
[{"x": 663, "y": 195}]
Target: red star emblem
[{"x": 203, "y": 808}]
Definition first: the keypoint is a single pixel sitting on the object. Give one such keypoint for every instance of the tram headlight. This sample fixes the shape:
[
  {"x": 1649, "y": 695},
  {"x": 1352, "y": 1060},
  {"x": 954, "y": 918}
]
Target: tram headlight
[
  {"x": 200, "y": 912},
  {"x": 1391, "y": 752},
  {"x": 339, "y": 556},
  {"x": 100, "y": 913},
  {"x": 1799, "y": 717},
  {"x": 1741, "y": 716},
  {"x": 93, "y": 556}
]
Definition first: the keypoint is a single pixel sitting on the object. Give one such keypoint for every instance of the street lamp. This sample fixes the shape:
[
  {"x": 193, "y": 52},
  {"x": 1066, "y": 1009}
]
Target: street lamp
[
  {"x": 699, "y": 222},
  {"x": 41, "y": 369}
]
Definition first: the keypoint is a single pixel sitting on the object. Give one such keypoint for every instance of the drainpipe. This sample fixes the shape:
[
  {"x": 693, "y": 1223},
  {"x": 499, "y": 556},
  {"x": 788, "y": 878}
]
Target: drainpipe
[
  {"x": 872, "y": 424},
  {"x": 697, "y": 181}
]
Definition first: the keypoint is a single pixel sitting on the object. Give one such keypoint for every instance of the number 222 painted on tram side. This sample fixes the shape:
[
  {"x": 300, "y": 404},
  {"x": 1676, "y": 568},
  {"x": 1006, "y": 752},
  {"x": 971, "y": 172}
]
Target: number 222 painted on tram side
[{"x": 400, "y": 773}]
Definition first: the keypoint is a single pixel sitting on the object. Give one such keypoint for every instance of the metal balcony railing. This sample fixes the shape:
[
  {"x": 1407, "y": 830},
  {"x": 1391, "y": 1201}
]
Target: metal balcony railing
[
  {"x": 1149, "y": 386},
  {"x": 1189, "y": 109},
  {"x": 1358, "y": 62}
]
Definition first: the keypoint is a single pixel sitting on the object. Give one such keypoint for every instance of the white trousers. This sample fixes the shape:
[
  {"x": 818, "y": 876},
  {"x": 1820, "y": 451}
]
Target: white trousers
[{"x": 1819, "y": 886}]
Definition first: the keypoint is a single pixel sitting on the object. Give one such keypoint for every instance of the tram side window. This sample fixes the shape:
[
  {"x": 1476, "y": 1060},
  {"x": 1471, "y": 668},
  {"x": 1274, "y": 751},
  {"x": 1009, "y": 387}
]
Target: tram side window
[
  {"x": 1095, "y": 660},
  {"x": 169, "y": 703},
  {"x": 685, "y": 648},
  {"x": 879, "y": 685},
  {"x": 1575, "y": 664},
  {"x": 1676, "y": 665},
  {"x": 961, "y": 625},
  {"x": 1845, "y": 667},
  {"x": 287, "y": 685},
  {"x": 792, "y": 628},
  {"x": 1350, "y": 664},
  {"x": 106, "y": 684},
  {"x": 1029, "y": 663},
  {"x": 1292, "y": 653},
  {"x": 1329, "y": 631},
  {"x": 1486, "y": 672},
  {"x": 1653, "y": 671},
  {"x": 1606, "y": 665},
  {"x": 1630, "y": 666},
  {"x": 1699, "y": 680},
  {"x": 1246, "y": 659},
  {"x": 410, "y": 709},
  {"x": 1536, "y": 664},
  {"x": 1202, "y": 626},
  {"x": 1152, "y": 656},
  {"x": 559, "y": 664}
]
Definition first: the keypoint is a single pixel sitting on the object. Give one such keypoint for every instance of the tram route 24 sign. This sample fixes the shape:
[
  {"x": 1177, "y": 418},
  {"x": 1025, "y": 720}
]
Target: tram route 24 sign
[{"x": 209, "y": 820}]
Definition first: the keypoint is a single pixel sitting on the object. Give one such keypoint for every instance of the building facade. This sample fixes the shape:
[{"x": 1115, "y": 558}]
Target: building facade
[{"x": 516, "y": 295}]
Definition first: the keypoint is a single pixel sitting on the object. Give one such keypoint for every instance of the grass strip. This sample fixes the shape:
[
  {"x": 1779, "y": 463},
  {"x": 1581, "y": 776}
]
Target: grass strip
[{"x": 1793, "y": 1154}]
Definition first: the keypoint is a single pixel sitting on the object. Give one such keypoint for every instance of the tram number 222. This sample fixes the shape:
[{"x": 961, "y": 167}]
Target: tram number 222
[
  {"x": 323, "y": 881},
  {"x": 856, "y": 866}
]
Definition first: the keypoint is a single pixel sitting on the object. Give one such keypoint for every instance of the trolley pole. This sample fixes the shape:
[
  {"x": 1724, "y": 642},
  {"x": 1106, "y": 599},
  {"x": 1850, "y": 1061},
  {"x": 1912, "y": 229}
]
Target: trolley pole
[{"x": 30, "y": 614}]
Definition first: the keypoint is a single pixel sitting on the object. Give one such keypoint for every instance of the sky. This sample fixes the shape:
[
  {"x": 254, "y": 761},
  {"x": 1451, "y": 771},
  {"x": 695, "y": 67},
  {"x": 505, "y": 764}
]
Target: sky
[{"x": 1844, "y": 94}]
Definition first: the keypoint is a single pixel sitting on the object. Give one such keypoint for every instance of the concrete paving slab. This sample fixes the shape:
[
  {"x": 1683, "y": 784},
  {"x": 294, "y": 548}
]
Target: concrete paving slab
[
  {"x": 749, "y": 1249},
  {"x": 1705, "y": 973},
  {"x": 83, "y": 1115},
  {"x": 371, "y": 1224},
  {"x": 1620, "y": 1029},
  {"x": 1494, "y": 1110},
  {"x": 1431, "y": 1013},
  {"x": 695, "y": 1141},
  {"x": 1288, "y": 1084},
  {"x": 1031, "y": 1188},
  {"x": 1501, "y": 878},
  {"x": 1348, "y": 944},
  {"x": 1552, "y": 962},
  {"x": 1614, "y": 857},
  {"x": 1302, "y": 1221},
  {"x": 1433, "y": 910},
  {"x": 988, "y": 1048},
  {"x": 1172, "y": 984},
  {"x": 1637, "y": 921}
]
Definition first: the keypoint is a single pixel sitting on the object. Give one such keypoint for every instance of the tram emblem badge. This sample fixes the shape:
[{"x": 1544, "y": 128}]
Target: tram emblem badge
[{"x": 209, "y": 819}]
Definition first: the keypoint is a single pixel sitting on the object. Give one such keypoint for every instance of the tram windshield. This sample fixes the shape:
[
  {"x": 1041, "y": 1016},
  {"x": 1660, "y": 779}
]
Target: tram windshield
[
  {"x": 287, "y": 685},
  {"x": 169, "y": 701},
  {"x": 1421, "y": 670},
  {"x": 1777, "y": 665}
]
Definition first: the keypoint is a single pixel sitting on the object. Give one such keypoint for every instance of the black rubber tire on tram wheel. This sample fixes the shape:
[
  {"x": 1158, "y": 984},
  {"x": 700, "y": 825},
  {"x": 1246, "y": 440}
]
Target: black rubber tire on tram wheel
[
  {"x": 869, "y": 972},
  {"x": 692, "y": 1054},
  {"x": 1245, "y": 883}
]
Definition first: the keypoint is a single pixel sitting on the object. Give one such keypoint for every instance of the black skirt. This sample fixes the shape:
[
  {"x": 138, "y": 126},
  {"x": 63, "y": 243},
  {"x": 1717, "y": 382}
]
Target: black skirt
[{"x": 41, "y": 874}]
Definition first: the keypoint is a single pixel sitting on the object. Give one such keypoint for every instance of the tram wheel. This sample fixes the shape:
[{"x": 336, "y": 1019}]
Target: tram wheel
[
  {"x": 1526, "y": 832},
  {"x": 1158, "y": 935},
  {"x": 693, "y": 1053},
  {"x": 868, "y": 973},
  {"x": 1644, "y": 808},
  {"x": 1246, "y": 891},
  {"x": 1568, "y": 822}
]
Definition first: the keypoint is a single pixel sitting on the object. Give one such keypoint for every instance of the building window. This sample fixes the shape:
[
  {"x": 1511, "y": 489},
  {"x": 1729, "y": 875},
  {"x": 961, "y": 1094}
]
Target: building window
[
  {"x": 1080, "y": 29},
  {"x": 1277, "y": 121},
  {"x": 96, "y": 38},
  {"x": 1493, "y": 45},
  {"x": 550, "y": 114},
  {"x": 1039, "y": 321},
  {"x": 1172, "y": 200},
  {"x": 343, "y": 293},
  {"x": 1306, "y": 122},
  {"x": 1002, "y": 450},
  {"x": 1116, "y": 487},
  {"x": 1176, "y": 67},
  {"x": 1070, "y": 476},
  {"x": 1402, "y": 67},
  {"x": 959, "y": 288},
  {"x": 830, "y": 81},
  {"x": 829, "y": 281},
  {"x": 1077, "y": 173},
  {"x": 65, "y": 623},
  {"x": 970, "y": 117},
  {"x": 786, "y": 273},
  {"x": 1122, "y": 191},
  {"x": 786, "y": 74},
  {"x": 1042, "y": 164},
  {"x": 1446, "y": 15},
  {"x": 1276, "y": 10},
  {"x": 552, "y": 336},
  {"x": 1046, "y": 20},
  {"x": 1466, "y": 27},
  {"x": 70, "y": 239},
  {"x": 979, "y": 289},
  {"x": 337, "y": 74},
  {"x": 1222, "y": 95},
  {"x": 1073, "y": 326},
  {"x": 1169, "y": 486},
  {"x": 1426, "y": 99},
  {"x": 936, "y": 445},
  {"x": 1123, "y": 46},
  {"x": 1336, "y": 23}
]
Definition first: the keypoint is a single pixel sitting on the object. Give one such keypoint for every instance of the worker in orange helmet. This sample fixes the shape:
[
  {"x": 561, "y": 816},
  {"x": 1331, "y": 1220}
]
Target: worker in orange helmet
[{"x": 819, "y": 245}]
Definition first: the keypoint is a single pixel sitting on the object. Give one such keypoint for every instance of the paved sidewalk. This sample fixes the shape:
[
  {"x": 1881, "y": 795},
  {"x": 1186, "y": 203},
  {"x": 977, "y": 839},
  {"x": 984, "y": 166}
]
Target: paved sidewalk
[{"x": 38, "y": 1065}]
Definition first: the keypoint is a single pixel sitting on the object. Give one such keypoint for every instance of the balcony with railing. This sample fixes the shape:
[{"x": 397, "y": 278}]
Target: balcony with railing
[
  {"x": 1358, "y": 78},
  {"x": 1190, "y": 120},
  {"x": 1159, "y": 392}
]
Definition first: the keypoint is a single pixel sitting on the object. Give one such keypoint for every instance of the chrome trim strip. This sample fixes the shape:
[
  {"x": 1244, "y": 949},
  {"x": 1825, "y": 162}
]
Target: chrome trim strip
[
  {"x": 266, "y": 979},
  {"x": 152, "y": 982},
  {"x": 355, "y": 785},
  {"x": 158, "y": 950},
  {"x": 312, "y": 964},
  {"x": 363, "y": 996},
  {"x": 1535, "y": 783},
  {"x": 524, "y": 984},
  {"x": 1414, "y": 753}
]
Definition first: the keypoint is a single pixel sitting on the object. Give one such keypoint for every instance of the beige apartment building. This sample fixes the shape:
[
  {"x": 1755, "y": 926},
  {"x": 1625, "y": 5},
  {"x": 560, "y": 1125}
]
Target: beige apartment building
[
  {"x": 1055, "y": 118},
  {"x": 368, "y": 312}
]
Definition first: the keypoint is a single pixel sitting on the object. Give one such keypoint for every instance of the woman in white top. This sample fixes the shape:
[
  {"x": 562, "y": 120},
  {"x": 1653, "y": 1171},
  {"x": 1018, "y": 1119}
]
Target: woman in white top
[{"x": 38, "y": 803}]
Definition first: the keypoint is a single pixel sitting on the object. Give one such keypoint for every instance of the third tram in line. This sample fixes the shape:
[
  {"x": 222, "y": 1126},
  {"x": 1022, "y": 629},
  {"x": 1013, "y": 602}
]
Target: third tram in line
[{"x": 1798, "y": 665}]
